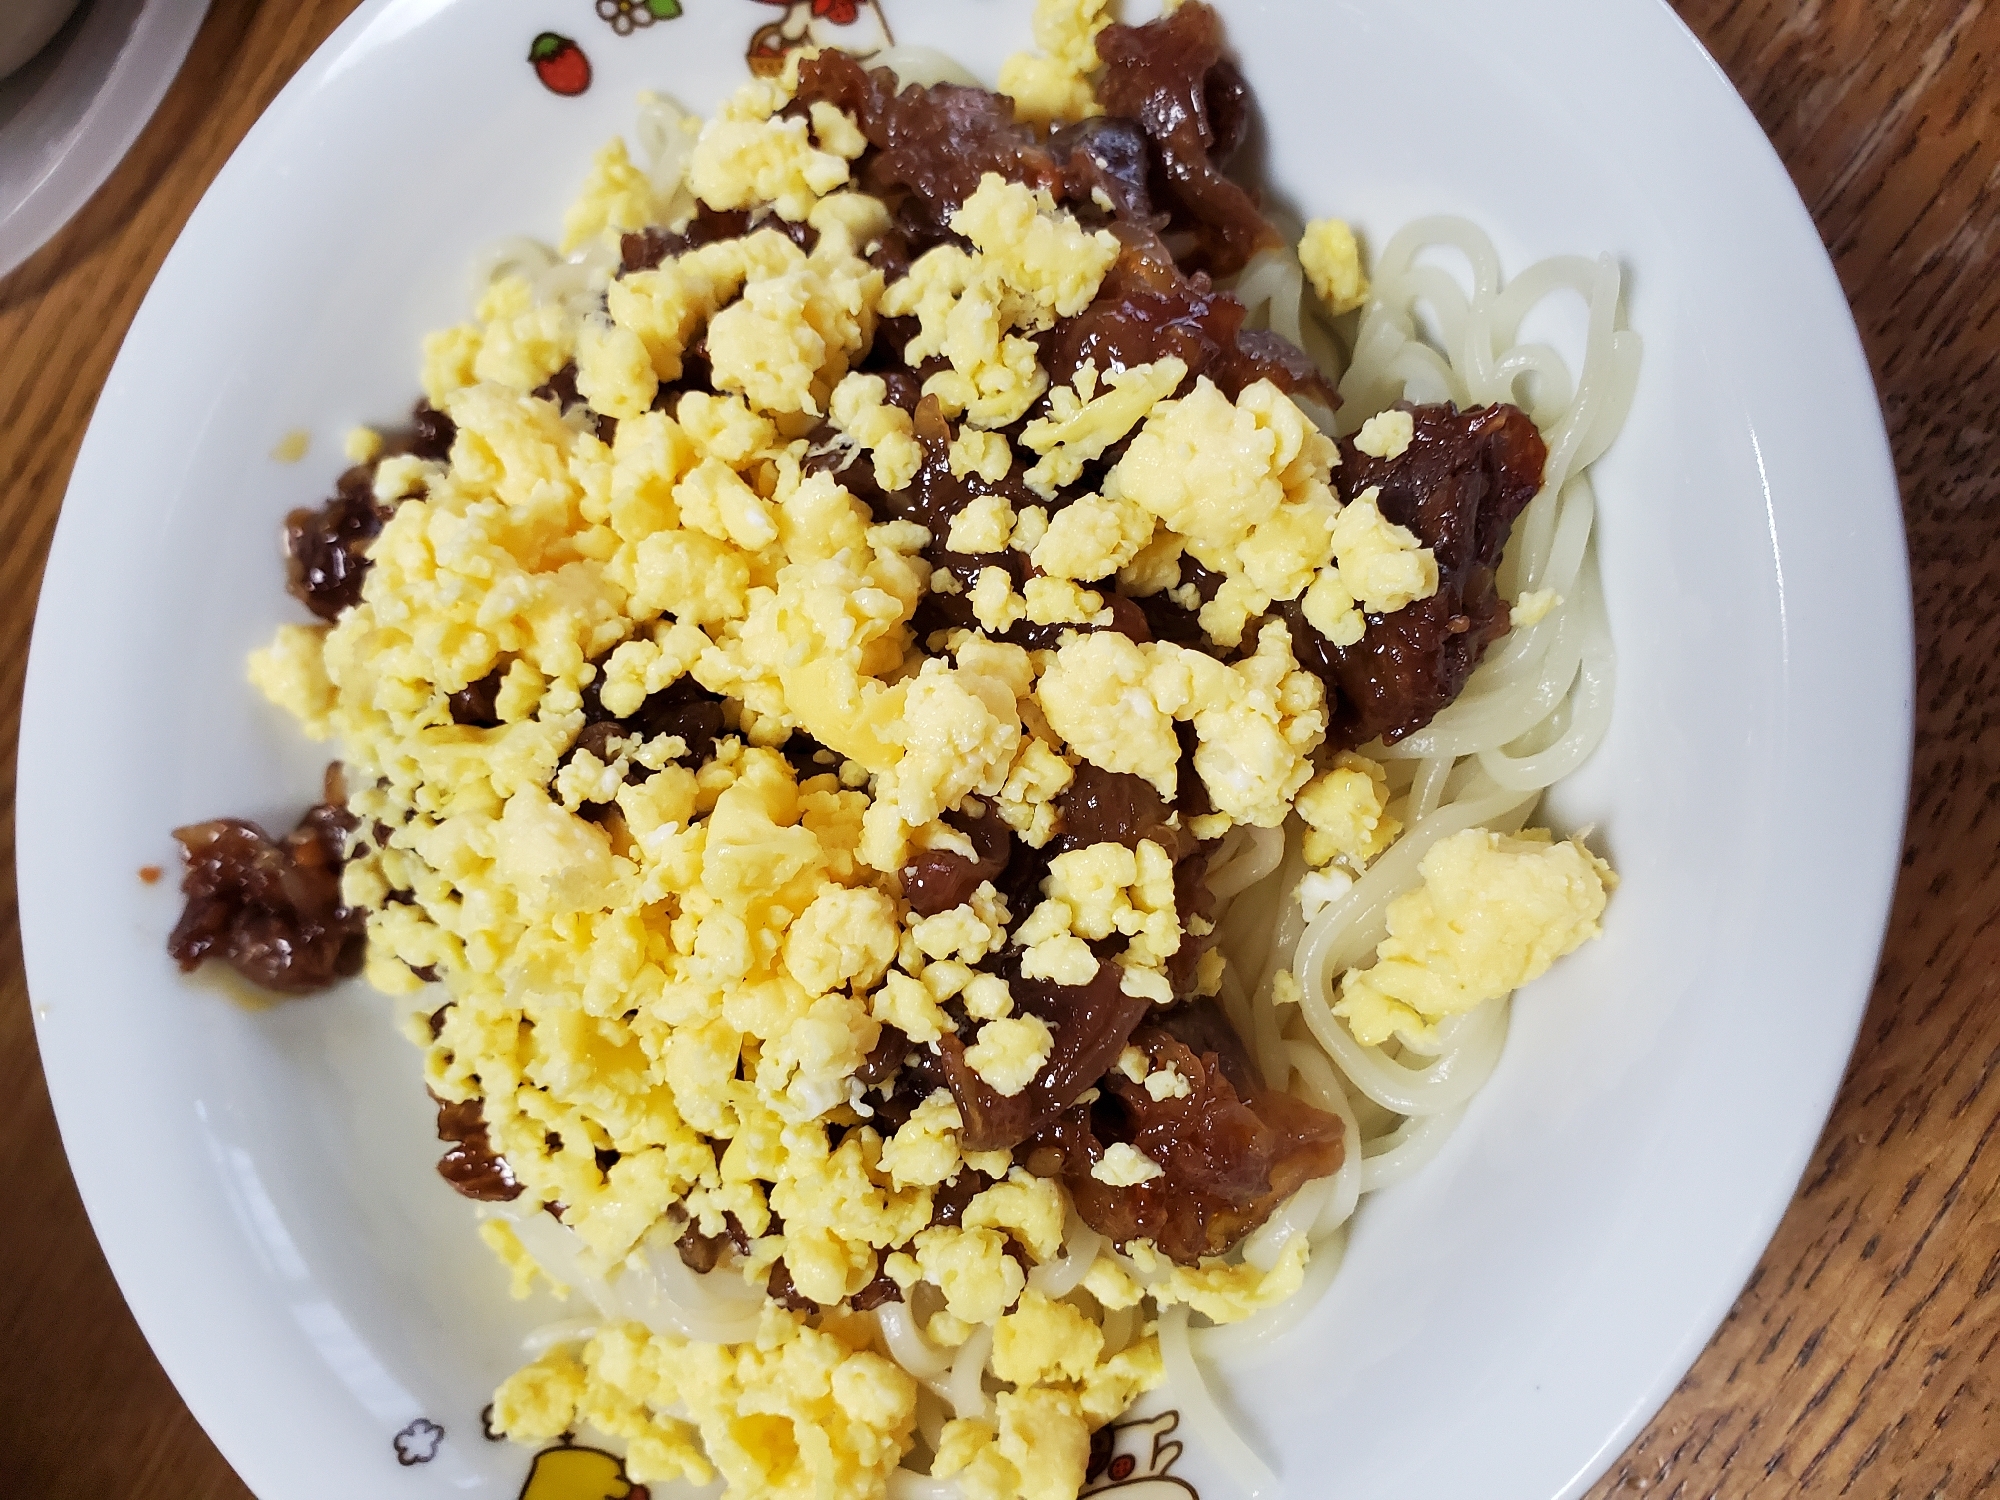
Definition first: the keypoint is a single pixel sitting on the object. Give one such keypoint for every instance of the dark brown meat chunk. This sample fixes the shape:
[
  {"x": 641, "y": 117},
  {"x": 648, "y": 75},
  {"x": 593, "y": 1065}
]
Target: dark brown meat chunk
[
  {"x": 951, "y": 1198},
  {"x": 473, "y": 705},
  {"x": 928, "y": 147},
  {"x": 472, "y": 1166},
  {"x": 1169, "y": 622},
  {"x": 1170, "y": 77},
  {"x": 1230, "y": 1150},
  {"x": 432, "y": 433},
  {"x": 1192, "y": 899},
  {"x": 1090, "y": 1024},
  {"x": 326, "y": 548},
  {"x": 879, "y": 1290},
  {"x": 1112, "y": 157},
  {"x": 781, "y": 1289},
  {"x": 270, "y": 908},
  {"x": 1459, "y": 486},
  {"x": 644, "y": 249},
  {"x": 936, "y": 880},
  {"x": 891, "y": 1047},
  {"x": 699, "y": 1252},
  {"x": 683, "y": 708},
  {"x": 934, "y": 495},
  {"x": 560, "y": 388},
  {"x": 1109, "y": 807},
  {"x": 1146, "y": 310}
]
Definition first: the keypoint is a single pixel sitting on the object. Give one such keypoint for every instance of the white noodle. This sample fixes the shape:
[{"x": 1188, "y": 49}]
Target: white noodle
[
  {"x": 1408, "y": 1148},
  {"x": 555, "y": 1335},
  {"x": 1269, "y": 1324},
  {"x": 1203, "y": 1417},
  {"x": 1060, "y": 1276},
  {"x": 922, "y": 66},
  {"x": 965, "y": 1387},
  {"x": 1248, "y": 854},
  {"x": 907, "y": 1344},
  {"x": 907, "y": 1484}
]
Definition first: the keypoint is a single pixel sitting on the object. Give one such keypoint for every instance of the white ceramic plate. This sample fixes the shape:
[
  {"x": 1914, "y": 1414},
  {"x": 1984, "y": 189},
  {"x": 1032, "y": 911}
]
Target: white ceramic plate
[
  {"x": 69, "y": 116},
  {"x": 262, "y": 1181}
]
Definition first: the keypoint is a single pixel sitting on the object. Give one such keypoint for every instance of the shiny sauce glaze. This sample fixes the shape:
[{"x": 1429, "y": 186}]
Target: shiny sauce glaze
[
  {"x": 472, "y": 1166},
  {"x": 270, "y": 908}
]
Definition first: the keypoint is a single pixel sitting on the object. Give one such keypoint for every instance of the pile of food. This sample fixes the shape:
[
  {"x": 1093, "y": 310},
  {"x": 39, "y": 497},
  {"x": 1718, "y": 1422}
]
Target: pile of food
[{"x": 903, "y": 718}]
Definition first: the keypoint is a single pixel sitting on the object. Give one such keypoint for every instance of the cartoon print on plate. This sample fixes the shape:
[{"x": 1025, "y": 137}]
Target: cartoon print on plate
[
  {"x": 418, "y": 1443},
  {"x": 568, "y": 1472},
  {"x": 1132, "y": 1458},
  {"x": 810, "y": 23},
  {"x": 560, "y": 64},
  {"x": 624, "y": 16}
]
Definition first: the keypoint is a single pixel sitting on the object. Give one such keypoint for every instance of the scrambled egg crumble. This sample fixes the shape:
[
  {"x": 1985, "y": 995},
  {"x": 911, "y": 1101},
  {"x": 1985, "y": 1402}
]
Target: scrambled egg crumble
[
  {"x": 679, "y": 955},
  {"x": 1493, "y": 912}
]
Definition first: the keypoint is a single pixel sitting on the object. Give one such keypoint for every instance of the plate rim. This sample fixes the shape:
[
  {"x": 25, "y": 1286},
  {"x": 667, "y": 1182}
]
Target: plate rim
[{"x": 1895, "y": 604}]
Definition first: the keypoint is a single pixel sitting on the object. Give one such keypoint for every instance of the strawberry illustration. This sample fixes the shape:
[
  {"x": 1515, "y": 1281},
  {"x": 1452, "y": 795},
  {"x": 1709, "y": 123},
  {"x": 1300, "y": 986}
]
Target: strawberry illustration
[{"x": 560, "y": 64}]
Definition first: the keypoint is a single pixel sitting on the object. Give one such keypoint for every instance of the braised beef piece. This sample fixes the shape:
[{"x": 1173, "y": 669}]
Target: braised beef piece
[
  {"x": 1090, "y": 1023},
  {"x": 891, "y": 255},
  {"x": 935, "y": 495},
  {"x": 472, "y": 1166},
  {"x": 1128, "y": 618},
  {"x": 646, "y": 248},
  {"x": 882, "y": 1288},
  {"x": 473, "y": 705},
  {"x": 1201, "y": 1026},
  {"x": 684, "y": 707},
  {"x": 808, "y": 757},
  {"x": 1111, "y": 807},
  {"x": 1459, "y": 486},
  {"x": 432, "y": 433},
  {"x": 1168, "y": 621},
  {"x": 1192, "y": 898},
  {"x": 1169, "y": 76},
  {"x": 1261, "y": 354},
  {"x": 697, "y": 374},
  {"x": 699, "y": 1252},
  {"x": 954, "y": 611},
  {"x": 1230, "y": 1150},
  {"x": 901, "y": 387},
  {"x": 1102, "y": 806},
  {"x": 936, "y": 880},
  {"x": 687, "y": 709},
  {"x": 950, "y": 1199},
  {"x": 270, "y": 908},
  {"x": 560, "y": 388},
  {"x": 887, "y": 1055},
  {"x": 928, "y": 147},
  {"x": 1146, "y": 310},
  {"x": 326, "y": 548},
  {"x": 1112, "y": 157},
  {"x": 781, "y": 1289},
  {"x": 931, "y": 499},
  {"x": 920, "y": 1074},
  {"x": 1226, "y": 93}
]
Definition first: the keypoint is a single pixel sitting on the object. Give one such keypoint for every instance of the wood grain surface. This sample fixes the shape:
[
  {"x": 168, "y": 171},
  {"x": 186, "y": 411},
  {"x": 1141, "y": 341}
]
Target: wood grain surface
[{"x": 1861, "y": 1358}]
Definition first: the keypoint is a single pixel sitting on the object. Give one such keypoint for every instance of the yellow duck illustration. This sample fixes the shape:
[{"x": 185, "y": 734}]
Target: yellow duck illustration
[{"x": 579, "y": 1474}]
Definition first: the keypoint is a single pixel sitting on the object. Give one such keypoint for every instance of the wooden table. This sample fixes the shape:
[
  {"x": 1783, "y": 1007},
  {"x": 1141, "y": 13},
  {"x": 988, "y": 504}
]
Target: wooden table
[{"x": 1861, "y": 1358}]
